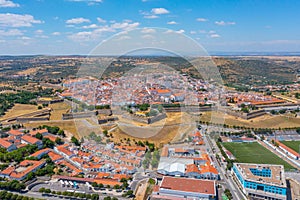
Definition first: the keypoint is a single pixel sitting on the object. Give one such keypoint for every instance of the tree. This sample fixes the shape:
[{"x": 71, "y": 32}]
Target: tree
[
  {"x": 58, "y": 140},
  {"x": 39, "y": 136},
  {"x": 105, "y": 133},
  {"x": 47, "y": 143},
  {"x": 75, "y": 141}
]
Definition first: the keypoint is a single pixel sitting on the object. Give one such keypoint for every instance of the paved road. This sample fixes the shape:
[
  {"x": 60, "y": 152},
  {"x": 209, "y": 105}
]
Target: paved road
[{"x": 237, "y": 194}]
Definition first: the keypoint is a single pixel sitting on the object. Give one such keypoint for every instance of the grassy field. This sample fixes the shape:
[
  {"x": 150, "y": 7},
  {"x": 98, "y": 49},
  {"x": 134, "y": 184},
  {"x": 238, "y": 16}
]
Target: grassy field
[
  {"x": 265, "y": 121},
  {"x": 19, "y": 109},
  {"x": 58, "y": 109},
  {"x": 292, "y": 144},
  {"x": 172, "y": 129},
  {"x": 254, "y": 153}
]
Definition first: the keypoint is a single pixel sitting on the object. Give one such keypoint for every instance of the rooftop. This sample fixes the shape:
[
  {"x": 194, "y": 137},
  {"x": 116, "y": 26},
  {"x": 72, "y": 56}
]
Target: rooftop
[
  {"x": 273, "y": 174},
  {"x": 189, "y": 185}
]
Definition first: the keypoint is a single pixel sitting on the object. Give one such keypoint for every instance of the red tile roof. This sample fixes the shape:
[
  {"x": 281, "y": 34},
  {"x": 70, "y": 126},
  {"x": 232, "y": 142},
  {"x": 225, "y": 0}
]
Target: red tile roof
[
  {"x": 29, "y": 139},
  {"x": 42, "y": 151},
  {"x": 54, "y": 156},
  {"x": 189, "y": 185},
  {"x": 5, "y": 143},
  {"x": 15, "y": 132}
]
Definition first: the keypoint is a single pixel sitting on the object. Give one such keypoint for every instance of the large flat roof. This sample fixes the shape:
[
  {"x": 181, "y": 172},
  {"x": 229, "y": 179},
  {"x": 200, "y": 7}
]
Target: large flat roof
[
  {"x": 277, "y": 176},
  {"x": 189, "y": 185}
]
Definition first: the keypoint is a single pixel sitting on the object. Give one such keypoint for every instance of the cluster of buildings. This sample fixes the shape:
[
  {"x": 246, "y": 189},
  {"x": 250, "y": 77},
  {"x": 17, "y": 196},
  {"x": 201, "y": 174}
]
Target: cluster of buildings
[
  {"x": 18, "y": 138},
  {"x": 138, "y": 89},
  {"x": 187, "y": 160},
  {"x": 106, "y": 164}
]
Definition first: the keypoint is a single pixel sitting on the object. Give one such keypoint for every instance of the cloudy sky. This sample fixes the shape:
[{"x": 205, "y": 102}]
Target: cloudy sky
[{"x": 78, "y": 26}]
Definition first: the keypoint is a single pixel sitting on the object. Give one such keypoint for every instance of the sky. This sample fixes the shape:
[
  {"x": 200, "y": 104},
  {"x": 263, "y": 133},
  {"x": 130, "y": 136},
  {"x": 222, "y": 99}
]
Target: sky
[{"x": 68, "y": 27}]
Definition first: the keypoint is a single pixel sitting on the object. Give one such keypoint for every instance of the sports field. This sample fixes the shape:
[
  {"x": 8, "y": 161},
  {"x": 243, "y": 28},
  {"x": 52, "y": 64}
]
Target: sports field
[
  {"x": 295, "y": 145},
  {"x": 254, "y": 153}
]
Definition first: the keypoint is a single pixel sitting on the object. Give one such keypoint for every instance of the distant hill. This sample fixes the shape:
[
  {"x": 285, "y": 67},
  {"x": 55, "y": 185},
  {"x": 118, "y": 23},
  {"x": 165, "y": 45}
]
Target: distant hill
[{"x": 237, "y": 71}]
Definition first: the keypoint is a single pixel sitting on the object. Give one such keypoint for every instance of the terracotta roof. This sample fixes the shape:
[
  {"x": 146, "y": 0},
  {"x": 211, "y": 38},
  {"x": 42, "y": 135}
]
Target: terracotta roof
[
  {"x": 30, "y": 166},
  {"x": 106, "y": 181},
  {"x": 103, "y": 175},
  {"x": 288, "y": 149},
  {"x": 42, "y": 151},
  {"x": 5, "y": 143},
  {"x": 164, "y": 152},
  {"x": 29, "y": 139},
  {"x": 54, "y": 156},
  {"x": 34, "y": 132},
  {"x": 15, "y": 132},
  {"x": 192, "y": 168},
  {"x": 8, "y": 170},
  {"x": 120, "y": 176},
  {"x": 189, "y": 185},
  {"x": 51, "y": 137}
]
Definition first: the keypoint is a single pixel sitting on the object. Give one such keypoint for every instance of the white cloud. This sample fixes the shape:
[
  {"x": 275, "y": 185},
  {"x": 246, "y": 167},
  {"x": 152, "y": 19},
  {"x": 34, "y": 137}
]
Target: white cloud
[
  {"x": 150, "y": 16},
  {"x": 125, "y": 26},
  {"x": 89, "y": 2},
  {"x": 159, "y": 11},
  {"x": 148, "y": 30},
  {"x": 148, "y": 37},
  {"x": 78, "y": 20},
  {"x": 214, "y": 35},
  {"x": 39, "y": 31},
  {"x": 172, "y": 23},
  {"x": 95, "y": 34},
  {"x": 124, "y": 37},
  {"x": 193, "y": 32},
  {"x": 90, "y": 26},
  {"x": 201, "y": 19},
  {"x": 8, "y": 4},
  {"x": 180, "y": 31},
  {"x": 12, "y": 32},
  {"x": 223, "y": 23},
  {"x": 16, "y": 20},
  {"x": 100, "y": 20},
  {"x": 56, "y": 33}
]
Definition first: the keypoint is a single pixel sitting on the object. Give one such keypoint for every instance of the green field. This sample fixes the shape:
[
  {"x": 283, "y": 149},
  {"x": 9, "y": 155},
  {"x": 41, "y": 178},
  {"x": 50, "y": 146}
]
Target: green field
[
  {"x": 292, "y": 144},
  {"x": 254, "y": 153}
]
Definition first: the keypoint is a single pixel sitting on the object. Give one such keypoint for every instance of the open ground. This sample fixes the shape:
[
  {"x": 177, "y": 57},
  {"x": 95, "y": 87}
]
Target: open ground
[{"x": 254, "y": 153}]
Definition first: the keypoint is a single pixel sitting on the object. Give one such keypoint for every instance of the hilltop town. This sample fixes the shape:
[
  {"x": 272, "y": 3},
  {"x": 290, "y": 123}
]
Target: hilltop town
[{"x": 148, "y": 133}]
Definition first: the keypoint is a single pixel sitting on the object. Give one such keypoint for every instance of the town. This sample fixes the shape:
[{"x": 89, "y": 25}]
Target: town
[{"x": 147, "y": 137}]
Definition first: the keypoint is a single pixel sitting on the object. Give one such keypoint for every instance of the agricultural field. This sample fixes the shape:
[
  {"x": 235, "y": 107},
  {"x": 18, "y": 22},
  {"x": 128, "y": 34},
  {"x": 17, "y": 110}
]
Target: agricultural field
[
  {"x": 295, "y": 145},
  {"x": 254, "y": 153}
]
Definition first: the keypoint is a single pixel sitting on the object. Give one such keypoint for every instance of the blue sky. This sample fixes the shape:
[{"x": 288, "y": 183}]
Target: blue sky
[{"x": 77, "y": 26}]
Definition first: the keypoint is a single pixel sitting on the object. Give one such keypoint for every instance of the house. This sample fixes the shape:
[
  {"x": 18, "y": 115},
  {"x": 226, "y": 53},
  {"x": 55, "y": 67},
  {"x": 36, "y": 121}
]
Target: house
[
  {"x": 27, "y": 139},
  {"x": 39, "y": 154},
  {"x": 21, "y": 171},
  {"x": 55, "y": 157},
  {"x": 64, "y": 151},
  {"x": 43, "y": 132},
  {"x": 7, "y": 145},
  {"x": 16, "y": 133}
]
